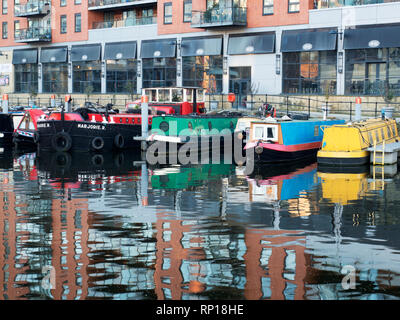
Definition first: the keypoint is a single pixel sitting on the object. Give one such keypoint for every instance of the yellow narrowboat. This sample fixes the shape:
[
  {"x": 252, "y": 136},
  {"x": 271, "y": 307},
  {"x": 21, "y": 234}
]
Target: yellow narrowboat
[{"x": 347, "y": 144}]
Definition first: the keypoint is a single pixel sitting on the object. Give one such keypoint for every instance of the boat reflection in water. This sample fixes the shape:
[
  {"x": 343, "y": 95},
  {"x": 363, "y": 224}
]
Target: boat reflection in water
[{"x": 75, "y": 226}]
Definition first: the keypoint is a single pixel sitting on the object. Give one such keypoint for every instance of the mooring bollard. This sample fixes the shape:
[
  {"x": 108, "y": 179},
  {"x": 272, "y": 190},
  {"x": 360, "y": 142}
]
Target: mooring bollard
[
  {"x": 145, "y": 120},
  {"x": 358, "y": 109},
  {"x": 4, "y": 103},
  {"x": 68, "y": 103}
]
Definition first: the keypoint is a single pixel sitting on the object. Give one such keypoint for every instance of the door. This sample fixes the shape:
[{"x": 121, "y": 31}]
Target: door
[
  {"x": 240, "y": 85},
  {"x": 376, "y": 77}
]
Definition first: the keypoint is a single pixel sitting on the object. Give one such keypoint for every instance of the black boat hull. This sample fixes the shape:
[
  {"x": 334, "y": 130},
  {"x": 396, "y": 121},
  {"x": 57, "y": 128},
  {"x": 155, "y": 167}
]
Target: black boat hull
[
  {"x": 274, "y": 156},
  {"x": 85, "y": 136}
]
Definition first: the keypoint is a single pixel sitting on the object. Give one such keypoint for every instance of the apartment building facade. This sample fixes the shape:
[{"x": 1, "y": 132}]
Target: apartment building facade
[{"x": 300, "y": 47}]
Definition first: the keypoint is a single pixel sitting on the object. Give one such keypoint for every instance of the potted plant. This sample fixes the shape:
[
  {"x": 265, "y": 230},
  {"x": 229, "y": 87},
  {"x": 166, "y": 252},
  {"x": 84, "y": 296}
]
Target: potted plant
[{"x": 387, "y": 96}]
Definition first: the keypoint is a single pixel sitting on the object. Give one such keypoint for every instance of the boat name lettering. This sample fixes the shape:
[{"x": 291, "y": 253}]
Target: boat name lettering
[
  {"x": 43, "y": 125},
  {"x": 91, "y": 126}
]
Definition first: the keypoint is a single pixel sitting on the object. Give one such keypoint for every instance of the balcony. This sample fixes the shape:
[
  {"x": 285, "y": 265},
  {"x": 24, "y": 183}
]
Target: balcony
[
  {"x": 124, "y": 23},
  {"x": 324, "y": 4},
  {"x": 107, "y": 5},
  {"x": 220, "y": 17},
  {"x": 33, "y": 35},
  {"x": 32, "y": 8}
]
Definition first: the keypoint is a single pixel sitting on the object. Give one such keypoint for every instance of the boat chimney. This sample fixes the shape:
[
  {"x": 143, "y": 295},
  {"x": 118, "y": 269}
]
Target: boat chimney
[
  {"x": 194, "y": 100},
  {"x": 5, "y": 103},
  {"x": 145, "y": 119},
  {"x": 358, "y": 109}
]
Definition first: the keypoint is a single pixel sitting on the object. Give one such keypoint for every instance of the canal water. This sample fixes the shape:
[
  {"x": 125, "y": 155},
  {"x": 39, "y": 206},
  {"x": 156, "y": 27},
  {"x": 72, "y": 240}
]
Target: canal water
[{"x": 86, "y": 226}]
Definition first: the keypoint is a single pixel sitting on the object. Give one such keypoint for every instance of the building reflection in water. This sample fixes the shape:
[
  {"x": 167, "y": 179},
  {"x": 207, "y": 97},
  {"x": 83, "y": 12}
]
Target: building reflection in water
[{"x": 128, "y": 234}]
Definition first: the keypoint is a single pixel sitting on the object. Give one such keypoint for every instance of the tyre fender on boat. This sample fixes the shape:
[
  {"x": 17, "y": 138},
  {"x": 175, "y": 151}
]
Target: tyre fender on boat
[
  {"x": 259, "y": 149},
  {"x": 97, "y": 143},
  {"x": 61, "y": 142},
  {"x": 119, "y": 141}
]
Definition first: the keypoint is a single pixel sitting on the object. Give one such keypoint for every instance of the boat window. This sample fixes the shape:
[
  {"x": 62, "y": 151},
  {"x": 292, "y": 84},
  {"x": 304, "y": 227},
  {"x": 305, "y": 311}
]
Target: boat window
[
  {"x": 389, "y": 135},
  {"x": 177, "y": 95},
  {"x": 258, "y": 132},
  {"x": 189, "y": 95},
  {"x": 163, "y": 95},
  {"x": 316, "y": 131},
  {"x": 270, "y": 132}
]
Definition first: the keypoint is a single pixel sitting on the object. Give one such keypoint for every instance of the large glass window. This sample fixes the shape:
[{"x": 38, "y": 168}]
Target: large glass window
[
  {"x": 268, "y": 7},
  {"x": 121, "y": 76},
  {"x": 168, "y": 13},
  {"x": 203, "y": 71},
  {"x": 86, "y": 76},
  {"x": 159, "y": 72},
  {"x": 311, "y": 72},
  {"x": 370, "y": 71},
  {"x": 55, "y": 77},
  {"x": 16, "y": 29},
  {"x": 26, "y": 77}
]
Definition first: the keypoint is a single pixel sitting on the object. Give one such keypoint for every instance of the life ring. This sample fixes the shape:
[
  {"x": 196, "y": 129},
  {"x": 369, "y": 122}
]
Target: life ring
[
  {"x": 61, "y": 142},
  {"x": 97, "y": 143},
  {"x": 119, "y": 141}
]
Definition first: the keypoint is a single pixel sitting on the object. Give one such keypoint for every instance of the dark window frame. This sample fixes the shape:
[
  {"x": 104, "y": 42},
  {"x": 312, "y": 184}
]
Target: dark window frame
[
  {"x": 64, "y": 16},
  {"x": 185, "y": 13},
  {"x": 63, "y": 3},
  {"x": 167, "y": 4},
  {"x": 293, "y": 3},
  {"x": 4, "y": 23},
  {"x": 80, "y": 22},
  {"x": 268, "y": 6}
]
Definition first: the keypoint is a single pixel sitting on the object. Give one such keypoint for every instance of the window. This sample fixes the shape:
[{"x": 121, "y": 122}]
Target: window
[
  {"x": 147, "y": 16},
  {"x": 309, "y": 72},
  {"x": 86, "y": 74},
  {"x": 187, "y": 11},
  {"x": 55, "y": 77},
  {"x": 78, "y": 22},
  {"x": 78, "y": 1},
  {"x": 63, "y": 3},
  {"x": 268, "y": 7},
  {"x": 16, "y": 29},
  {"x": 4, "y": 33},
  {"x": 294, "y": 6},
  {"x": 5, "y": 6},
  {"x": 63, "y": 24},
  {"x": 372, "y": 71},
  {"x": 25, "y": 77},
  {"x": 159, "y": 72},
  {"x": 203, "y": 71},
  {"x": 121, "y": 76},
  {"x": 168, "y": 13}
]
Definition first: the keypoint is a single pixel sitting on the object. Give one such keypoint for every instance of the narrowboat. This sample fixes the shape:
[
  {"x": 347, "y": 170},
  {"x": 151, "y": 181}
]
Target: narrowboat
[
  {"x": 86, "y": 130},
  {"x": 279, "y": 182},
  {"x": 284, "y": 139},
  {"x": 347, "y": 144},
  {"x": 6, "y": 129},
  {"x": 25, "y": 133},
  {"x": 201, "y": 131}
]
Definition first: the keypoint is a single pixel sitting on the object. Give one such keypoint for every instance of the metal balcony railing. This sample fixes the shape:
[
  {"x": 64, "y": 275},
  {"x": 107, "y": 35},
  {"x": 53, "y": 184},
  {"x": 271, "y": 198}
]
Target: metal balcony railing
[
  {"x": 101, "y": 3},
  {"x": 124, "y": 23},
  {"x": 324, "y": 4},
  {"x": 217, "y": 17},
  {"x": 32, "y": 8},
  {"x": 33, "y": 35}
]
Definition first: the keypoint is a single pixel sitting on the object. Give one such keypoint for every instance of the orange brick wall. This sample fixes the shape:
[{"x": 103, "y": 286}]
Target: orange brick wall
[{"x": 255, "y": 18}]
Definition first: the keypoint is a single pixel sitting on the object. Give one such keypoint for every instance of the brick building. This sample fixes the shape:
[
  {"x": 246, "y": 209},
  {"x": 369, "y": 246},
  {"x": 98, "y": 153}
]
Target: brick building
[{"x": 246, "y": 46}]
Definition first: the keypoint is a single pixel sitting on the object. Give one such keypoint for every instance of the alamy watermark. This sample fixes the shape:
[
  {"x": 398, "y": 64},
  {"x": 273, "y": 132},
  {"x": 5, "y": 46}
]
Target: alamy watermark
[
  {"x": 213, "y": 147},
  {"x": 349, "y": 280}
]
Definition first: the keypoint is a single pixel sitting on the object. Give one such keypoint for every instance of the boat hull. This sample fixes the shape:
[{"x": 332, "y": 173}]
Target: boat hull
[
  {"x": 84, "y": 136},
  {"x": 275, "y": 156}
]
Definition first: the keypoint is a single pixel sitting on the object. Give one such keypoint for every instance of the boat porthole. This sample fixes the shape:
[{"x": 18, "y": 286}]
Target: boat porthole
[
  {"x": 209, "y": 125},
  {"x": 164, "y": 126},
  {"x": 120, "y": 120},
  {"x": 190, "y": 126},
  {"x": 231, "y": 125},
  {"x": 127, "y": 120}
]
